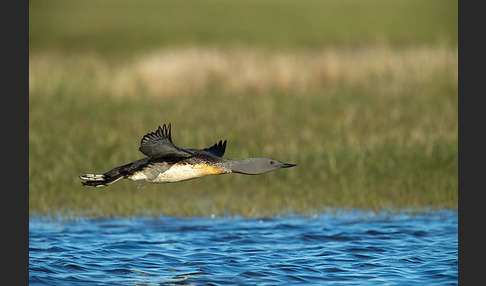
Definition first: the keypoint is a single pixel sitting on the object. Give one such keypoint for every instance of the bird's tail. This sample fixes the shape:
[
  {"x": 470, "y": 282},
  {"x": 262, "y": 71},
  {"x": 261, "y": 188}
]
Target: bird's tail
[
  {"x": 93, "y": 180},
  {"x": 115, "y": 174}
]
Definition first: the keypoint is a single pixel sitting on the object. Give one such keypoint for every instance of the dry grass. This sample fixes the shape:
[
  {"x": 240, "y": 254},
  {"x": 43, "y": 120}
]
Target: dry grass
[{"x": 191, "y": 71}]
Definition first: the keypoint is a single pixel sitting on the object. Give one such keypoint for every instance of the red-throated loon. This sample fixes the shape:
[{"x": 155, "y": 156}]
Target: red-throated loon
[{"x": 167, "y": 163}]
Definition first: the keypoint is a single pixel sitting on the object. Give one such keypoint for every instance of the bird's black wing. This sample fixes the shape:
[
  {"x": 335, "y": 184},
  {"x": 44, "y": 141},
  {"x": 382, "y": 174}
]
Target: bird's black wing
[
  {"x": 159, "y": 144},
  {"x": 217, "y": 149}
]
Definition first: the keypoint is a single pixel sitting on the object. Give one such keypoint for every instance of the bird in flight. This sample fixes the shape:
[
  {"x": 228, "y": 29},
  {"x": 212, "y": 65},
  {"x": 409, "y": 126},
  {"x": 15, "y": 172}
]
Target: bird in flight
[{"x": 168, "y": 163}]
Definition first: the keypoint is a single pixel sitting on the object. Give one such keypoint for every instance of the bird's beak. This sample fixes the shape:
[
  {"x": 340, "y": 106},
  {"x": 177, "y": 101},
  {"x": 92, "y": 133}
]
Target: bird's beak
[{"x": 288, "y": 165}]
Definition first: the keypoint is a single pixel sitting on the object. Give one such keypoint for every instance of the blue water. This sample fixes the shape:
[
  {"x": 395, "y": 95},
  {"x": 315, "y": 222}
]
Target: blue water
[{"x": 349, "y": 248}]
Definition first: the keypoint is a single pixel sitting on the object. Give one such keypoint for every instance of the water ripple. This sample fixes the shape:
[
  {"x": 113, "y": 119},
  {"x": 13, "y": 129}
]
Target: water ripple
[{"x": 326, "y": 249}]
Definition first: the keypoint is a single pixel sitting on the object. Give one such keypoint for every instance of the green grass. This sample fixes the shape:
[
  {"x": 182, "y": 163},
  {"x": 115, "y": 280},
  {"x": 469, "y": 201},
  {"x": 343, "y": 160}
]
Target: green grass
[
  {"x": 355, "y": 148},
  {"x": 361, "y": 95},
  {"x": 111, "y": 27}
]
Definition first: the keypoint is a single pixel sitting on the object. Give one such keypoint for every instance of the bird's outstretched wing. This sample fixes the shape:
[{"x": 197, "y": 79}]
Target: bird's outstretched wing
[
  {"x": 159, "y": 144},
  {"x": 217, "y": 149}
]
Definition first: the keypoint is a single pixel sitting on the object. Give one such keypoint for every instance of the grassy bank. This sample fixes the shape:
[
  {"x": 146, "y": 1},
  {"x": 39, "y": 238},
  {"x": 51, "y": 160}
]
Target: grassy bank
[
  {"x": 361, "y": 95},
  {"x": 378, "y": 135}
]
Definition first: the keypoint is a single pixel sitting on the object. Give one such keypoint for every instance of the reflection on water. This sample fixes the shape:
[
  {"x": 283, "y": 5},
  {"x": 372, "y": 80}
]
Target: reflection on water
[{"x": 346, "y": 248}]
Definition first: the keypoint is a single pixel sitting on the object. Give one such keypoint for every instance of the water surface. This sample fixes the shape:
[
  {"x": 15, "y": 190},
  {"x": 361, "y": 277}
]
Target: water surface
[{"x": 350, "y": 248}]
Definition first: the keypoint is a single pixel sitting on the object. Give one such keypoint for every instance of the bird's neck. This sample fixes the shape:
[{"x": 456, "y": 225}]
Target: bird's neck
[{"x": 242, "y": 166}]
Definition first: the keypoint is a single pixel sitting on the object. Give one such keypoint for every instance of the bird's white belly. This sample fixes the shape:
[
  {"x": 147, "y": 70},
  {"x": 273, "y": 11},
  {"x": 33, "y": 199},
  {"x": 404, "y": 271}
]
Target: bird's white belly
[{"x": 179, "y": 172}]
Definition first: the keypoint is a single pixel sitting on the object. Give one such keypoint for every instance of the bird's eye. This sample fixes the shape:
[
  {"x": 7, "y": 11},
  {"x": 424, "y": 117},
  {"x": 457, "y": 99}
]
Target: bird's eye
[{"x": 272, "y": 162}]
